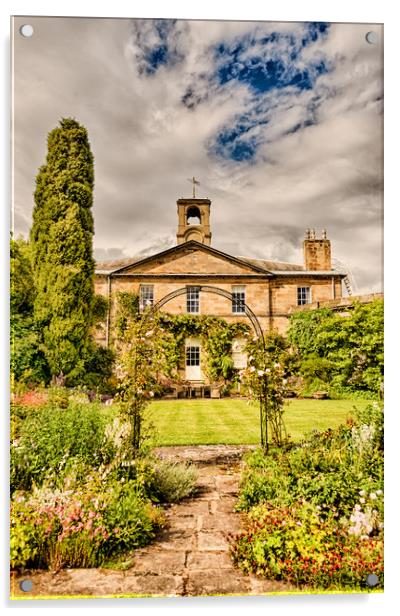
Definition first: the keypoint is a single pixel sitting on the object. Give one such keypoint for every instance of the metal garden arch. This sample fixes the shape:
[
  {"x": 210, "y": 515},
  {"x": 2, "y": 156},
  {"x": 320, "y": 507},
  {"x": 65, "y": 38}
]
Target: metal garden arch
[{"x": 252, "y": 318}]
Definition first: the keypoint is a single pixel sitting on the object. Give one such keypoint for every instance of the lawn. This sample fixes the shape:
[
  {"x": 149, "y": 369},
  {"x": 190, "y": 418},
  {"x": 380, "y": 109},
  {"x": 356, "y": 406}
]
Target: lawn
[{"x": 235, "y": 422}]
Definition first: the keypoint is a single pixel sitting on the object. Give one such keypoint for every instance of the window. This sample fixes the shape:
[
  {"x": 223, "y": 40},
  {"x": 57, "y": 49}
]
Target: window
[
  {"x": 303, "y": 296},
  {"x": 146, "y": 296},
  {"x": 193, "y": 216},
  {"x": 238, "y": 299},
  {"x": 193, "y": 356},
  {"x": 193, "y": 299}
]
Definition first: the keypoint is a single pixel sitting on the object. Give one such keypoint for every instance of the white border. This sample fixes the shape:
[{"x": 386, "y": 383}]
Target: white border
[{"x": 313, "y": 10}]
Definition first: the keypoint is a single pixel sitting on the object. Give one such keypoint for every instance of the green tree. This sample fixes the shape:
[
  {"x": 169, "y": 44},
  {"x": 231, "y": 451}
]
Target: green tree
[
  {"x": 61, "y": 239},
  {"x": 345, "y": 352},
  {"x": 27, "y": 361}
]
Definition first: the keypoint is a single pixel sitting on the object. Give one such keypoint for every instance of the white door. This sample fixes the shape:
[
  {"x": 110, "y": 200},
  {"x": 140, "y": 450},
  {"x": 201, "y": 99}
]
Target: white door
[
  {"x": 192, "y": 360},
  {"x": 239, "y": 355}
]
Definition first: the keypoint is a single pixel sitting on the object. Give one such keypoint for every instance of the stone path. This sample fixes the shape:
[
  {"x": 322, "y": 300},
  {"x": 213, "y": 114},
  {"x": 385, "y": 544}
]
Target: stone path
[{"x": 189, "y": 558}]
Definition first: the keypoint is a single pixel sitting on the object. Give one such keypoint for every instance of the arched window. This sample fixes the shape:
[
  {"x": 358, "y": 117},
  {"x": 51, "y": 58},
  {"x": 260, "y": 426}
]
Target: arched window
[{"x": 193, "y": 216}]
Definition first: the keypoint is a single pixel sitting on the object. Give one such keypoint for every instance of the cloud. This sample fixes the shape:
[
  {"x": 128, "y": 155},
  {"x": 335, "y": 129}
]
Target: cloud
[{"x": 282, "y": 123}]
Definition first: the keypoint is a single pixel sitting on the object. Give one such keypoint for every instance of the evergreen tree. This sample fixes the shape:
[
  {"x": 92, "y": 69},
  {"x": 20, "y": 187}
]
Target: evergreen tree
[{"x": 61, "y": 240}]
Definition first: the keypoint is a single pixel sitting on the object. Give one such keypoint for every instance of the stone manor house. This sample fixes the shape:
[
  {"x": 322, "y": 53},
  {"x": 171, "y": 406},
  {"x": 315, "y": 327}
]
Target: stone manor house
[{"x": 270, "y": 289}]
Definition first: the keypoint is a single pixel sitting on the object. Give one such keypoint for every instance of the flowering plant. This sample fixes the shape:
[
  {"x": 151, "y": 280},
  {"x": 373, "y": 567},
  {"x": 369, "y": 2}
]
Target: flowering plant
[
  {"x": 297, "y": 545},
  {"x": 265, "y": 383}
]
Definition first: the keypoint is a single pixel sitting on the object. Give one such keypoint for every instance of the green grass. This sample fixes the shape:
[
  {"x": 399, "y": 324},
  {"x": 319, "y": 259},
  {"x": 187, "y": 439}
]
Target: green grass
[{"x": 235, "y": 422}]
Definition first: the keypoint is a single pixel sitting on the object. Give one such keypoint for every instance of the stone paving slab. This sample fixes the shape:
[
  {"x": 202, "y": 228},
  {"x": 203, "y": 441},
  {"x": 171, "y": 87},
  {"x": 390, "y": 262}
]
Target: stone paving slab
[
  {"x": 208, "y": 560},
  {"x": 229, "y": 522},
  {"x": 166, "y": 585},
  {"x": 213, "y": 541},
  {"x": 216, "y": 582},
  {"x": 160, "y": 561}
]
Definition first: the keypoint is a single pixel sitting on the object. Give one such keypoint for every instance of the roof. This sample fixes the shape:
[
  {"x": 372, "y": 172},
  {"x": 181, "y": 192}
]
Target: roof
[
  {"x": 273, "y": 266},
  {"x": 260, "y": 265}
]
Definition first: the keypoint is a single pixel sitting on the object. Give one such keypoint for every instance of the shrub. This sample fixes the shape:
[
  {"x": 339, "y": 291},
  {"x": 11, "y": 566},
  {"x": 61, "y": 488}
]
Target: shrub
[
  {"x": 130, "y": 518},
  {"x": 53, "y": 439},
  {"x": 172, "y": 481}
]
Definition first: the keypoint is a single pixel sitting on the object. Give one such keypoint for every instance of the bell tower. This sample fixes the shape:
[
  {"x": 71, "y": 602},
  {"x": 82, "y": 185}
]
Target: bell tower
[{"x": 194, "y": 221}]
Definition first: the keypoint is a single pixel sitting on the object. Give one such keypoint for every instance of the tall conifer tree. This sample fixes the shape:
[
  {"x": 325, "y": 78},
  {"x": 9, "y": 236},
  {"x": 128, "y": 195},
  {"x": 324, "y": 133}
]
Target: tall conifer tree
[{"x": 62, "y": 249}]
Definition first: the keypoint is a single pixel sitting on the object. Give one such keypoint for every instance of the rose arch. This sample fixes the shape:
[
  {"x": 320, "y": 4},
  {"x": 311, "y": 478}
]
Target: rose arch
[{"x": 262, "y": 391}]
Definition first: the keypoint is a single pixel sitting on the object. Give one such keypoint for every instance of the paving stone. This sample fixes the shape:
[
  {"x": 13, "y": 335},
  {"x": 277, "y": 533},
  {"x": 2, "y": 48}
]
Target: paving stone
[
  {"x": 226, "y": 484},
  {"x": 166, "y": 585},
  {"x": 260, "y": 586},
  {"x": 210, "y": 495},
  {"x": 212, "y": 541},
  {"x": 228, "y": 522},
  {"x": 225, "y": 504},
  {"x": 186, "y": 522},
  {"x": 177, "y": 540},
  {"x": 159, "y": 562},
  {"x": 208, "y": 560},
  {"x": 215, "y": 582},
  {"x": 192, "y": 508}
]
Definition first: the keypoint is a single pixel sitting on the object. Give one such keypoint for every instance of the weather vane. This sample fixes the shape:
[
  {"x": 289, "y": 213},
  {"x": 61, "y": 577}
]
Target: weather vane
[{"x": 194, "y": 182}]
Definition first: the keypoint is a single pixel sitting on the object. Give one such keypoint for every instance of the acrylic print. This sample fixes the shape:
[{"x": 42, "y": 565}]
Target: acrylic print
[{"x": 196, "y": 308}]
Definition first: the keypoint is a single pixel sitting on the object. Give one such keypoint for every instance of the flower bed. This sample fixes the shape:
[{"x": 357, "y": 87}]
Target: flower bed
[{"x": 313, "y": 514}]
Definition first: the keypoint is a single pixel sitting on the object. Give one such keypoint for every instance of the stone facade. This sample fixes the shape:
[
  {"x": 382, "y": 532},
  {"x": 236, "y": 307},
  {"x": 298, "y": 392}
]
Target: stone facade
[{"x": 271, "y": 289}]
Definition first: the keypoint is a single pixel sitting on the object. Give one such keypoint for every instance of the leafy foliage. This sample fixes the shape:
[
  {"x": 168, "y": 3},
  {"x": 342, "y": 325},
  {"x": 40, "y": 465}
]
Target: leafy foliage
[
  {"x": 340, "y": 352},
  {"x": 61, "y": 240},
  {"x": 315, "y": 511},
  {"x": 27, "y": 362},
  {"x": 79, "y": 525},
  {"x": 53, "y": 440}
]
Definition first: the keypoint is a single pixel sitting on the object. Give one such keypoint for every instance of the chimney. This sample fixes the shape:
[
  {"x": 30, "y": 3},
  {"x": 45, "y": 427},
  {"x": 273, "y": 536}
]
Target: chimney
[{"x": 317, "y": 252}]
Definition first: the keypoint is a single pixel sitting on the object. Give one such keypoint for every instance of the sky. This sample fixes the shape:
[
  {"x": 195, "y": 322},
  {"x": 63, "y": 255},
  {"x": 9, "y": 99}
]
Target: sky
[{"x": 282, "y": 123}]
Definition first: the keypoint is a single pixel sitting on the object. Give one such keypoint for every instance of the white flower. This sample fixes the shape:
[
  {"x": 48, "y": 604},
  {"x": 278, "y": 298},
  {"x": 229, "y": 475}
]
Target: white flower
[
  {"x": 277, "y": 365},
  {"x": 151, "y": 394},
  {"x": 260, "y": 372},
  {"x": 362, "y": 500},
  {"x": 149, "y": 333},
  {"x": 267, "y": 371},
  {"x": 252, "y": 369},
  {"x": 379, "y": 492},
  {"x": 251, "y": 358},
  {"x": 284, "y": 381},
  {"x": 372, "y": 496},
  {"x": 357, "y": 507},
  {"x": 362, "y": 492}
]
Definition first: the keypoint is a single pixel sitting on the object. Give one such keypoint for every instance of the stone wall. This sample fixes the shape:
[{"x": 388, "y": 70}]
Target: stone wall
[{"x": 271, "y": 300}]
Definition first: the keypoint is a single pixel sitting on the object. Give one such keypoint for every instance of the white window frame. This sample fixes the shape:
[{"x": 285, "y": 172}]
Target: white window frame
[
  {"x": 146, "y": 296},
  {"x": 193, "y": 300},
  {"x": 192, "y": 357},
  {"x": 238, "y": 302},
  {"x": 303, "y": 296}
]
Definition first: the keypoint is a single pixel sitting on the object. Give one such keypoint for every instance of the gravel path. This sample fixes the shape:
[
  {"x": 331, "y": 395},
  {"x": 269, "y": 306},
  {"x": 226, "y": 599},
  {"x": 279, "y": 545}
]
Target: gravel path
[{"x": 189, "y": 558}]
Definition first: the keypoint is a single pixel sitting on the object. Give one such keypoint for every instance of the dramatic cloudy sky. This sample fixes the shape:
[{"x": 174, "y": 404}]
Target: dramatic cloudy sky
[{"x": 281, "y": 122}]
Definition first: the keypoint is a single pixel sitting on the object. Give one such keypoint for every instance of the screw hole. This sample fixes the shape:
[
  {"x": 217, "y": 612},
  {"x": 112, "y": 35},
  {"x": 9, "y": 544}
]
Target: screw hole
[
  {"x": 26, "y": 30},
  {"x": 371, "y": 37},
  {"x": 26, "y": 585}
]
